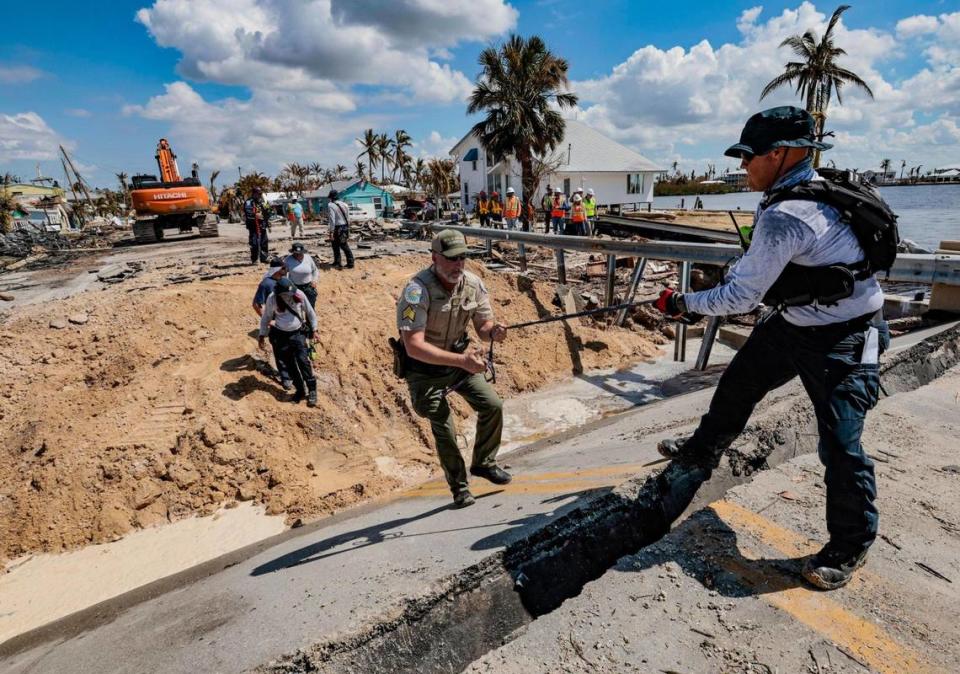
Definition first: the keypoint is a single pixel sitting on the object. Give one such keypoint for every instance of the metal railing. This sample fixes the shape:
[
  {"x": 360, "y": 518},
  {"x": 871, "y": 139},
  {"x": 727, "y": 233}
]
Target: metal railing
[{"x": 909, "y": 267}]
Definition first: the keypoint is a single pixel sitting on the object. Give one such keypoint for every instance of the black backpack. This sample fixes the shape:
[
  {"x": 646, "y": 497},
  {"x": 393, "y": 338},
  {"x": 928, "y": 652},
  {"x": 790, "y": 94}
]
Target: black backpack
[{"x": 861, "y": 207}]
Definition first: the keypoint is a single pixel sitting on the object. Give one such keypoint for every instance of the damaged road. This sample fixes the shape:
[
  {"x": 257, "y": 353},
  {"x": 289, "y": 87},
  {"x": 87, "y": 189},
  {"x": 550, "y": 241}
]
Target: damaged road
[{"x": 410, "y": 585}]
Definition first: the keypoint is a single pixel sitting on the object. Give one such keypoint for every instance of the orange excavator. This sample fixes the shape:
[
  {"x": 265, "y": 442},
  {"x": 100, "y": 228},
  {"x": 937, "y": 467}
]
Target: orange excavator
[{"x": 172, "y": 202}]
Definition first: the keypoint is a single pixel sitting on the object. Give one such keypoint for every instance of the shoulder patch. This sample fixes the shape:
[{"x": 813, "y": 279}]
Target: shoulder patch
[
  {"x": 409, "y": 314},
  {"x": 413, "y": 293}
]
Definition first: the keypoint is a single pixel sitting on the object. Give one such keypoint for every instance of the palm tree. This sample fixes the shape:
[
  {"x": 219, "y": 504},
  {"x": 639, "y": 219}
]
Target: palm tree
[
  {"x": 339, "y": 172},
  {"x": 516, "y": 87},
  {"x": 401, "y": 141},
  {"x": 213, "y": 188},
  {"x": 383, "y": 153},
  {"x": 122, "y": 179},
  {"x": 418, "y": 173},
  {"x": 903, "y": 165},
  {"x": 441, "y": 178},
  {"x": 885, "y": 167},
  {"x": 360, "y": 168},
  {"x": 817, "y": 75},
  {"x": 370, "y": 144}
]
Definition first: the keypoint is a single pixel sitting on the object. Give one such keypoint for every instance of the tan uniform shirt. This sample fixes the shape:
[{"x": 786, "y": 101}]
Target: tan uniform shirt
[{"x": 426, "y": 305}]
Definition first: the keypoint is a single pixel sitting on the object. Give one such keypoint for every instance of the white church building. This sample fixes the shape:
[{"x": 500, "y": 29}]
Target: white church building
[{"x": 585, "y": 158}]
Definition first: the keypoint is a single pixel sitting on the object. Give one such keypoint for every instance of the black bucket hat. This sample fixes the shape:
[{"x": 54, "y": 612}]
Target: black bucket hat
[{"x": 785, "y": 126}]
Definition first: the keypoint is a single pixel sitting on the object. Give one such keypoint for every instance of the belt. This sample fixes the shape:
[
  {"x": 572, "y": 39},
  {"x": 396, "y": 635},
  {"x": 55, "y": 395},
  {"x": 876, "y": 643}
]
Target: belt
[
  {"x": 854, "y": 324},
  {"x": 418, "y": 366}
]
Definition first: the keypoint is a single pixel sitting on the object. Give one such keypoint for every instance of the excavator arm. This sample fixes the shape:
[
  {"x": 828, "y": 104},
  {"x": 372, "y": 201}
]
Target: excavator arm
[{"x": 167, "y": 162}]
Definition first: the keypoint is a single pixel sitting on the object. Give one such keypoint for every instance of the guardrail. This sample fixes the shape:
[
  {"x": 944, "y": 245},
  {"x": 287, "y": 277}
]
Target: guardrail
[{"x": 909, "y": 267}]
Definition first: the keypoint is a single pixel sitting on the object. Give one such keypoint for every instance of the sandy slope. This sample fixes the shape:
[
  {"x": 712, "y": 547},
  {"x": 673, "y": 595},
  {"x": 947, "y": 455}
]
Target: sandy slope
[{"x": 154, "y": 409}]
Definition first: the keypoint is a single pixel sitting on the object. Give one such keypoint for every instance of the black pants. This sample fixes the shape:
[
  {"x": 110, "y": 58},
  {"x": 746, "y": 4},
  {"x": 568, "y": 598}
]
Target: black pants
[
  {"x": 282, "y": 368},
  {"x": 310, "y": 292},
  {"x": 828, "y": 360},
  {"x": 258, "y": 243},
  {"x": 291, "y": 349},
  {"x": 341, "y": 235}
]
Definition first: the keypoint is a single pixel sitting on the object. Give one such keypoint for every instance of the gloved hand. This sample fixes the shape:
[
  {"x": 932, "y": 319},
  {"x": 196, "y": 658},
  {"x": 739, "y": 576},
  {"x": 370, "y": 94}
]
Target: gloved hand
[{"x": 671, "y": 304}]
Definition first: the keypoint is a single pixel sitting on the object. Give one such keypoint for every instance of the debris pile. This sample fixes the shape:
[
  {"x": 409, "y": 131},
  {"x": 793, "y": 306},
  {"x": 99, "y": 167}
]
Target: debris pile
[{"x": 28, "y": 248}]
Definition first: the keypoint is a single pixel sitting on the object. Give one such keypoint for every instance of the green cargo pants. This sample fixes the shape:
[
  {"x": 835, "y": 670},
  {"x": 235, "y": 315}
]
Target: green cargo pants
[{"x": 426, "y": 393}]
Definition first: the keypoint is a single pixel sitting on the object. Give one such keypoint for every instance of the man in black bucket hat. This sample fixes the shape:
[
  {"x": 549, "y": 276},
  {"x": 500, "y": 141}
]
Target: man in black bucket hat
[{"x": 830, "y": 339}]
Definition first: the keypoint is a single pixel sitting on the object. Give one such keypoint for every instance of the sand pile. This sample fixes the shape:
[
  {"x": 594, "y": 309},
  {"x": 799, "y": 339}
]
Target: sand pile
[{"x": 124, "y": 410}]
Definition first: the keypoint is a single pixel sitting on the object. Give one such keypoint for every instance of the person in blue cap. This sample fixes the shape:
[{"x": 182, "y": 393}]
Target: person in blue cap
[{"x": 832, "y": 342}]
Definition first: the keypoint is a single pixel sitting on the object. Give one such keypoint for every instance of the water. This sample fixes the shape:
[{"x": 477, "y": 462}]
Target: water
[{"x": 928, "y": 213}]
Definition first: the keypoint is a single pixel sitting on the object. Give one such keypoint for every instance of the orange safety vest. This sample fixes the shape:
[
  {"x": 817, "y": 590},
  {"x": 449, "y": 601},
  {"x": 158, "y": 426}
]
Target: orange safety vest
[
  {"x": 483, "y": 206},
  {"x": 556, "y": 210},
  {"x": 577, "y": 214},
  {"x": 495, "y": 207},
  {"x": 512, "y": 208}
]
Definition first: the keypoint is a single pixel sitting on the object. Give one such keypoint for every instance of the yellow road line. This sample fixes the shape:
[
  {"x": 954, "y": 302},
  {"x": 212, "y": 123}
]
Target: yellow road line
[
  {"x": 541, "y": 483},
  {"x": 814, "y": 609}
]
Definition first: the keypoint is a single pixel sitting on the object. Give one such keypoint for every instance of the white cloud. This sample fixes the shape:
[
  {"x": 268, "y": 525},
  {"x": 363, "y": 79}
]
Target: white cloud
[
  {"x": 309, "y": 66},
  {"x": 920, "y": 24},
  {"x": 678, "y": 102},
  {"x": 261, "y": 133},
  {"x": 77, "y": 112},
  {"x": 434, "y": 145},
  {"x": 26, "y": 135},
  {"x": 272, "y": 44},
  {"x": 19, "y": 74}
]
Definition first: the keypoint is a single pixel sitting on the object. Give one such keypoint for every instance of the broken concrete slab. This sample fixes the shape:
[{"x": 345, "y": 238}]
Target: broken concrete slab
[
  {"x": 78, "y": 319},
  {"x": 58, "y": 323}
]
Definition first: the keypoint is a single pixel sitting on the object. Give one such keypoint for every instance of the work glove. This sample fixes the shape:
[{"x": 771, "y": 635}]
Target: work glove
[{"x": 672, "y": 305}]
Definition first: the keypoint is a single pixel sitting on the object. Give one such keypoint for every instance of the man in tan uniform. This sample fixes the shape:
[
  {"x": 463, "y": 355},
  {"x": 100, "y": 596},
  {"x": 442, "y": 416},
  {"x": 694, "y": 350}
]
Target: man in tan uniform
[{"x": 432, "y": 315}]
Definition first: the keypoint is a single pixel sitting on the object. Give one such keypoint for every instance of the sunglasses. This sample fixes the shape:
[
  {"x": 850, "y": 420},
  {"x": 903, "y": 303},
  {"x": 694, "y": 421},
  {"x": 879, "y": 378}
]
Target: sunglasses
[{"x": 457, "y": 258}]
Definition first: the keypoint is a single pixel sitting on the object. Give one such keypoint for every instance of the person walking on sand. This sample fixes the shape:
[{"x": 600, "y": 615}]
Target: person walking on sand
[
  {"x": 256, "y": 217},
  {"x": 303, "y": 271},
  {"x": 338, "y": 217},
  {"x": 433, "y": 313},
  {"x": 291, "y": 322},
  {"x": 295, "y": 215},
  {"x": 275, "y": 272}
]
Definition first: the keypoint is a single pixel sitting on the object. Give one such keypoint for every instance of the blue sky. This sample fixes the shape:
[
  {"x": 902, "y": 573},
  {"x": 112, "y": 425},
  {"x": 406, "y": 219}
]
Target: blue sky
[{"x": 259, "y": 83}]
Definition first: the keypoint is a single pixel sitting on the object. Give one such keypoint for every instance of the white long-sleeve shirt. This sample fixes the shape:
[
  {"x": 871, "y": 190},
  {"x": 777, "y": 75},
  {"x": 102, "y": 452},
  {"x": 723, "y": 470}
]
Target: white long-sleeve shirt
[
  {"x": 288, "y": 321},
  {"x": 807, "y": 233},
  {"x": 338, "y": 214},
  {"x": 303, "y": 271}
]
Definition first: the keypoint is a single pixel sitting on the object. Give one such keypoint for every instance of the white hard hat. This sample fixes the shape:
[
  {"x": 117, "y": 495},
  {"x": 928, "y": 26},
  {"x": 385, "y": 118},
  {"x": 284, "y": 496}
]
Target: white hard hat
[
  {"x": 576, "y": 197},
  {"x": 590, "y": 191},
  {"x": 510, "y": 190},
  {"x": 579, "y": 189},
  {"x": 558, "y": 191}
]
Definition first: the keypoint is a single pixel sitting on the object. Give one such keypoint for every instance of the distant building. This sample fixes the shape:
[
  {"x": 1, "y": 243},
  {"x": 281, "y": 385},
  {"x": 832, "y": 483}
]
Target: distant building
[
  {"x": 353, "y": 191},
  {"x": 584, "y": 158},
  {"x": 736, "y": 178},
  {"x": 30, "y": 191}
]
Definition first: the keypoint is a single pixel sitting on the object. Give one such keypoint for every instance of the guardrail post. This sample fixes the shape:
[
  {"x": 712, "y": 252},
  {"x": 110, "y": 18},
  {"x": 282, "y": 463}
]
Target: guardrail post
[
  {"x": 611, "y": 278},
  {"x": 490, "y": 247},
  {"x": 706, "y": 346},
  {"x": 680, "y": 340},
  {"x": 632, "y": 292},
  {"x": 561, "y": 268}
]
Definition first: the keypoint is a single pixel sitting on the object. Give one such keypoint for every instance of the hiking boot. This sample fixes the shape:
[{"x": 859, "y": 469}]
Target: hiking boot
[
  {"x": 493, "y": 473},
  {"x": 831, "y": 568},
  {"x": 676, "y": 449},
  {"x": 462, "y": 499},
  {"x": 287, "y": 385},
  {"x": 297, "y": 397},
  {"x": 312, "y": 399},
  {"x": 349, "y": 266}
]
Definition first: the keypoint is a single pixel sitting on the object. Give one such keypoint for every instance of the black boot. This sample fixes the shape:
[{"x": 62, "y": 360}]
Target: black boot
[
  {"x": 312, "y": 398},
  {"x": 831, "y": 568},
  {"x": 494, "y": 473}
]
